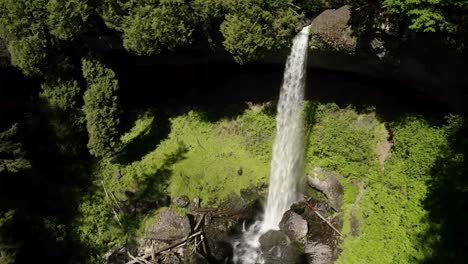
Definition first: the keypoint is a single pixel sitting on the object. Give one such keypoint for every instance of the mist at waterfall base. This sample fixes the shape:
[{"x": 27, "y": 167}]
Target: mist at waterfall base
[{"x": 287, "y": 164}]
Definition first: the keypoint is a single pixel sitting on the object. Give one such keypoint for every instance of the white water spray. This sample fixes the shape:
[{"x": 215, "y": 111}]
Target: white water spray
[{"x": 288, "y": 153}]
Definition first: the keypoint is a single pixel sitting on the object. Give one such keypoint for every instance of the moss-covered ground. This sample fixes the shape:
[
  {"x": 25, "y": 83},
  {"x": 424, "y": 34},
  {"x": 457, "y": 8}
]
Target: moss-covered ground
[{"x": 192, "y": 154}]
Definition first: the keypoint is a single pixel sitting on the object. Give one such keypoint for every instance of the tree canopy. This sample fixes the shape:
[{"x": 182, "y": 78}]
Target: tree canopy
[{"x": 101, "y": 108}]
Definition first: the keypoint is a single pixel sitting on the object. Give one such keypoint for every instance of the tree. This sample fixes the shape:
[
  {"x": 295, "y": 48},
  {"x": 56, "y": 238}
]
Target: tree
[
  {"x": 101, "y": 109},
  {"x": 7, "y": 252},
  {"x": 12, "y": 155},
  {"x": 156, "y": 24},
  {"x": 66, "y": 18},
  {"x": 254, "y": 27},
  {"x": 22, "y": 25},
  {"x": 432, "y": 16},
  {"x": 61, "y": 101}
]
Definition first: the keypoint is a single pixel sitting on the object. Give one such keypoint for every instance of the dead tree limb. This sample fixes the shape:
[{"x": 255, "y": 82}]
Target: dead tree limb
[
  {"x": 323, "y": 218},
  {"x": 204, "y": 247},
  {"x": 138, "y": 260},
  {"x": 112, "y": 204},
  {"x": 197, "y": 226},
  {"x": 178, "y": 243},
  {"x": 173, "y": 245}
]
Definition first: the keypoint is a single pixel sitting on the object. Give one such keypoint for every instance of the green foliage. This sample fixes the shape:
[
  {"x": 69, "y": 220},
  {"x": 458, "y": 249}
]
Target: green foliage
[
  {"x": 21, "y": 18},
  {"x": 101, "y": 109},
  {"x": 114, "y": 12},
  {"x": 252, "y": 28},
  {"x": 257, "y": 138},
  {"x": 67, "y": 17},
  {"x": 198, "y": 158},
  {"x": 12, "y": 155},
  {"x": 141, "y": 127},
  {"x": 28, "y": 53},
  {"x": 61, "y": 101},
  {"x": 210, "y": 169},
  {"x": 202, "y": 159},
  {"x": 394, "y": 218},
  {"x": 342, "y": 140},
  {"x": 207, "y": 9},
  {"x": 312, "y": 7},
  {"x": 63, "y": 95},
  {"x": 7, "y": 251},
  {"x": 156, "y": 24},
  {"x": 97, "y": 226},
  {"x": 22, "y": 25},
  {"x": 432, "y": 16}
]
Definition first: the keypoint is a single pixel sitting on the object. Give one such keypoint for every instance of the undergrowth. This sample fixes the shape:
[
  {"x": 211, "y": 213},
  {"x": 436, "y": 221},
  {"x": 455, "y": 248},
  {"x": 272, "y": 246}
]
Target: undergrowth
[{"x": 214, "y": 159}]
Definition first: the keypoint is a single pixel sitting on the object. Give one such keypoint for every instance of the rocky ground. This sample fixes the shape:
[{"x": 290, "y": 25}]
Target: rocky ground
[{"x": 187, "y": 233}]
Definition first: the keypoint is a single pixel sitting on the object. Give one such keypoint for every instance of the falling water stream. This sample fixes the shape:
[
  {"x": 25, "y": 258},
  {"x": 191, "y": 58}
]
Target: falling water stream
[{"x": 287, "y": 164}]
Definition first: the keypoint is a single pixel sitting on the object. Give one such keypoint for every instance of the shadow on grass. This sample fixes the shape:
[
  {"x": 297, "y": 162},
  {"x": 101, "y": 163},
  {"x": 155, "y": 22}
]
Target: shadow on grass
[
  {"x": 150, "y": 192},
  {"x": 147, "y": 141},
  {"x": 447, "y": 203},
  {"x": 161, "y": 176},
  {"x": 217, "y": 112}
]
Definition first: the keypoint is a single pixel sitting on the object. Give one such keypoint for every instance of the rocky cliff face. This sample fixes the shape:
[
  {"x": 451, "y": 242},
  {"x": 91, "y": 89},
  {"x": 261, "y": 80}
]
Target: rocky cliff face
[{"x": 342, "y": 41}]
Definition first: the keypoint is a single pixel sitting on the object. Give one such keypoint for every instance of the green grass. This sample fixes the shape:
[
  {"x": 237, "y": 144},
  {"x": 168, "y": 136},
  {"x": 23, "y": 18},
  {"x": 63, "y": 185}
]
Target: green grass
[
  {"x": 198, "y": 158},
  {"x": 342, "y": 140},
  {"x": 214, "y": 159},
  {"x": 394, "y": 217},
  {"x": 141, "y": 127}
]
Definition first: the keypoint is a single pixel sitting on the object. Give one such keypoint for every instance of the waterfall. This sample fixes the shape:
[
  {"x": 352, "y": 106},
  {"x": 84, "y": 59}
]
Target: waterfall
[{"x": 287, "y": 164}]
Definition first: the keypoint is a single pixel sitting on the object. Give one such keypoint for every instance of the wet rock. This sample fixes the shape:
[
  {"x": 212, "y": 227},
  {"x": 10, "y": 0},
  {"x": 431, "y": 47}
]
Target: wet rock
[
  {"x": 293, "y": 254},
  {"x": 169, "y": 226},
  {"x": 181, "y": 201},
  {"x": 294, "y": 226},
  {"x": 219, "y": 241},
  {"x": 276, "y": 248},
  {"x": 319, "y": 233},
  {"x": 116, "y": 255},
  {"x": 318, "y": 253},
  {"x": 169, "y": 258},
  {"x": 273, "y": 240},
  {"x": 195, "y": 258},
  {"x": 327, "y": 183}
]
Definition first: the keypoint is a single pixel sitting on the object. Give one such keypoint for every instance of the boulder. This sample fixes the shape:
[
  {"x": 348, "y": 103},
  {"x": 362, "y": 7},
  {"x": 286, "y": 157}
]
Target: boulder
[
  {"x": 169, "y": 226},
  {"x": 181, "y": 201},
  {"x": 194, "y": 204},
  {"x": 195, "y": 258},
  {"x": 318, "y": 253},
  {"x": 276, "y": 248},
  {"x": 294, "y": 226},
  {"x": 273, "y": 240},
  {"x": 116, "y": 255},
  {"x": 332, "y": 29},
  {"x": 328, "y": 184},
  {"x": 169, "y": 258},
  {"x": 218, "y": 239},
  {"x": 320, "y": 235}
]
